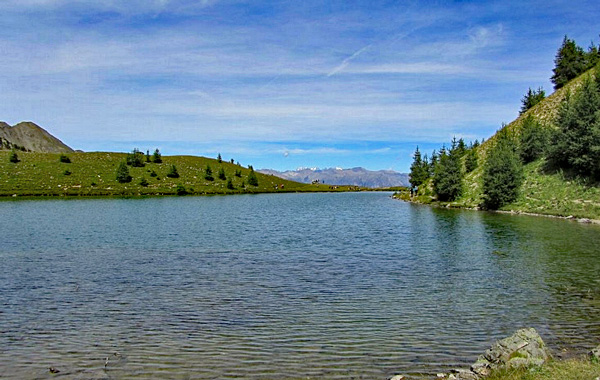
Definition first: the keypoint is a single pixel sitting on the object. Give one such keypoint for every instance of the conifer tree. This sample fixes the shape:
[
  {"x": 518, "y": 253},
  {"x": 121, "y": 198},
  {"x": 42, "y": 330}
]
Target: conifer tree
[
  {"x": 531, "y": 98},
  {"x": 219, "y": 159},
  {"x": 448, "y": 175},
  {"x": 123, "y": 173},
  {"x": 569, "y": 63},
  {"x": 252, "y": 180},
  {"x": 502, "y": 173},
  {"x": 230, "y": 184},
  {"x": 208, "y": 174},
  {"x": 532, "y": 141},
  {"x": 13, "y": 157},
  {"x": 157, "y": 157},
  {"x": 173, "y": 173},
  {"x": 221, "y": 174},
  {"x": 418, "y": 170},
  {"x": 471, "y": 159}
]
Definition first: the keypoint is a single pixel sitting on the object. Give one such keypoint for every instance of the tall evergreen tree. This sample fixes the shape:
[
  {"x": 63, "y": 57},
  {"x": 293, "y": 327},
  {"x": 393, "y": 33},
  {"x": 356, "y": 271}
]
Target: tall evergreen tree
[
  {"x": 447, "y": 179},
  {"x": 569, "y": 63},
  {"x": 252, "y": 179},
  {"x": 470, "y": 160},
  {"x": 208, "y": 174},
  {"x": 577, "y": 142},
  {"x": 418, "y": 170},
  {"x": 123, "y": 173},
  {"x": 531, "y": 98},
  {"x": 532, "y": 141},
  {"x": 502, "y": 173},
  {"x": 157, "y": 157}
]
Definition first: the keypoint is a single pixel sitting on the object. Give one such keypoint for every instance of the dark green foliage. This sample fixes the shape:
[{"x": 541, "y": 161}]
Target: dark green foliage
[
  {"x": 461, "y": 147},
  {"x": 419, "y": 171},
  {"x": 238, "y": 173},
  {"x": 219, "y": 159},
  {"x": 93, "y": 184},
  {"x": 13, "y": 157},
  {"x": 532, "y": 98},
  {"x": 230, "y": 184},
  {"x": 576, "y": 144},
  {"x": 67, "y": 172},
  {"x": 502, "y": 173},
  {"x": 153, "y": 174},
  {"x": 135, "y": 159},
  {"x": 252, "y": 180},
  {"x": 157, "y": 157},
  {"x": 448, "y": 175},
  {"x": 221, "y": 174},
  {"x": 208, "y": 174},
  {"x": 64, "y": 159},
  {"x": 231, "y": 161},
  {"x": 123, "y": 173},
  {"x": 433, "y": 163},
  {"x": 148, "y": 156},
  {"x": 181, "y": 190},
  {"x": 569, "y": 63},
  {"x": 173, "y": 172},
  {"x": 533, "y": 140},
  {"x": 143, "y": 182},
  {"x": 470, "y": 160}
]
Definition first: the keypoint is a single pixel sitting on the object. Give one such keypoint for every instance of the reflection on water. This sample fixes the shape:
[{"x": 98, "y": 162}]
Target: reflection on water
[{"x": 288, "y": 286}]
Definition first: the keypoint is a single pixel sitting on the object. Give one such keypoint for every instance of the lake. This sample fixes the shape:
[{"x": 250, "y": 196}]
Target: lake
[{"x": 282, "y": 286}]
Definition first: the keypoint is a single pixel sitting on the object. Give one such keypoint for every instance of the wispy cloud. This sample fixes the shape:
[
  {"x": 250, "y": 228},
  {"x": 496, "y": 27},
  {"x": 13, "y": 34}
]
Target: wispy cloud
[{"x": 347, "y": 61}]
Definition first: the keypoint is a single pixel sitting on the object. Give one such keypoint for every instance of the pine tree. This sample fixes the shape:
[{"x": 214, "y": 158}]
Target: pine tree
[
  {"x": 173, "y": 173},
  {"x": 221, "y": 174},
  {"x": 157, "y": 157},
  {"x": 448, "y": 175},
  {"x": 470, "y": 159},
  {"x": 569, "y": 63},
  {"x": 532, "y": 141},
  {"x": 532, "y": 98},
  {"x": 219, "y": 159},
  {"x": 252, "y": 180},
  {"x": 13, "y": 157},
  {"x": 502, "y": 173},
  {"x": 230, "y": 184},
  {"x": 576, "y": 144},
  {"x": 208, "y": 174},
  {"x": 123, "y": 173},
  {"x": 419, "y": 172},
  {"x": 136, "y": 159}
]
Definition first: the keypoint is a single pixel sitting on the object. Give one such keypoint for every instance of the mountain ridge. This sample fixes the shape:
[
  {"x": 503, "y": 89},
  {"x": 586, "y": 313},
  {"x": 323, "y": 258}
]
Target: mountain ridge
[
  {"x": 29, "y": 136},
  {"x": 356, "y": 176}
]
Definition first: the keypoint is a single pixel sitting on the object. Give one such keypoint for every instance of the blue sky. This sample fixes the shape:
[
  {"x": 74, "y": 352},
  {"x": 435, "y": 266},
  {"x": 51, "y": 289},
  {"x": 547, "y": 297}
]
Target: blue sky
[{"x": 279, "y": 84}]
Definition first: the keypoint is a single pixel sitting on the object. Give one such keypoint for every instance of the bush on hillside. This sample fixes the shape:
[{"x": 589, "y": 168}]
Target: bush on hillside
[
  {"x": 252, "y": 179},
  {"x": 136, "y": 159},
  {"x": 157, "y": 157},
  {"x": 208, "y": 174},
  {"x": 13, "y": 157},
  {"x": 221, "y": 174},
  {"x": 64, "y": 159},
  {"x": 173, "y": 173}
]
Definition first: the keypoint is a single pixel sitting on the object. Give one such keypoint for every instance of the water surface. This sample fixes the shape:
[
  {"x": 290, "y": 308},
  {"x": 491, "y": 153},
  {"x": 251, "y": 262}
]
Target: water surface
[{"x": 286, "y": 286}]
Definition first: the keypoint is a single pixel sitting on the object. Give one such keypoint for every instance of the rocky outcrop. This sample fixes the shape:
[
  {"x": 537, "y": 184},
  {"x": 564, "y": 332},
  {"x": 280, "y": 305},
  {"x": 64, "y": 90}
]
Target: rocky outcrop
[{"x": 523, "y": 349}]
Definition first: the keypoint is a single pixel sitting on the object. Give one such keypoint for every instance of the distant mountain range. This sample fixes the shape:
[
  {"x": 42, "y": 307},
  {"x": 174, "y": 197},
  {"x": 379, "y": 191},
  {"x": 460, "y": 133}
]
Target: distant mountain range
[
  {"x": 337, "y": 176},
  {"x": 31, "y": 137}
]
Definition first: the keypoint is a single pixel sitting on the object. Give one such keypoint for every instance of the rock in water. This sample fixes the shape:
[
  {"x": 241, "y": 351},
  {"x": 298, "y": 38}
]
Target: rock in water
[{"x": 524, "y": 348}]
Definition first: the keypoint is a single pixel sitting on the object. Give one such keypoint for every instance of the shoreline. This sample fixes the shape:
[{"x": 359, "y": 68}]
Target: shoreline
[{"x": 507, "y": 212}]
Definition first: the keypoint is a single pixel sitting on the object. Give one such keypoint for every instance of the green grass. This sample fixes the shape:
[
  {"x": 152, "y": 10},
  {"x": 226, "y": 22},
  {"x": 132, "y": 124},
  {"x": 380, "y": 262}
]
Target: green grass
[
  {"x": 572, "y": 369},
  {"x": 94, "y": 174}
]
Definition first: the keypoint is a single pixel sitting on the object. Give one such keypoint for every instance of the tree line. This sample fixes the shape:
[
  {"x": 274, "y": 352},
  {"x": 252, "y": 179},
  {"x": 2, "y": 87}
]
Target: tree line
[{"x": 573, "y": 147}]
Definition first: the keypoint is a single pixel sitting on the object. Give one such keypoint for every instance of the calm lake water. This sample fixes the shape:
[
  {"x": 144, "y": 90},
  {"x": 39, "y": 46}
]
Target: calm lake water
[{"x": 287, "y": 286}]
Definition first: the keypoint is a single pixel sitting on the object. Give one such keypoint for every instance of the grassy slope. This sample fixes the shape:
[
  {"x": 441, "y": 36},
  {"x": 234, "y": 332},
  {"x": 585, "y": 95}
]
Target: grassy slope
[
  {"x": 541, "y": 192},
  {"x": 41, "y": 174}
]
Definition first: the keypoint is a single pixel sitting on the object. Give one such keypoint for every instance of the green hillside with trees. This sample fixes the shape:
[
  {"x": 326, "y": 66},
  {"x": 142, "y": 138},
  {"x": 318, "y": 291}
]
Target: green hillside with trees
[
  {"x": 134, "y": 174},
  {"x": 547, "y": 161}
]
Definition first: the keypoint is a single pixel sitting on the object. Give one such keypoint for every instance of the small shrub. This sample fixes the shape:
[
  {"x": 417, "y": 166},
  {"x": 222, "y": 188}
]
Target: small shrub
[
  {"x": 238, "y": 173},
  {"x": 230, "y": 184},
  {"x": 208, "y": 174},
  {"x": 153, "y": 174},
  {"x": 123, "y": 173},
  {"x": 13, "y": 157},
  {"x": 93, "y": 184},
  {"x": 180, "y": 190},
  {"x": 173, "y": 172},
  {"x": 67, "y": 172},
  {"x": 221, "y": 174},
  {"x": 143, "y": 182},
  {"x": 219, "y": 159},
  {"x": 64, "y": 159}
]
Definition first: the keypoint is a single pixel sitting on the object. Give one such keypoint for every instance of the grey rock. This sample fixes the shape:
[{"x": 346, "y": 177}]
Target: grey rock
[
  {"x": 397, "y": 377},
  {"x": 465, "y": 374},
  {"x": 524, "y": 348}
]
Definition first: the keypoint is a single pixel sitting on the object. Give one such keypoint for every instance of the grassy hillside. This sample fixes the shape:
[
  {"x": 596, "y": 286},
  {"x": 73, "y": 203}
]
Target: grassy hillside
[
  {"x": 94, "y": 174},
  {"x": 543, "y": 191}
]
